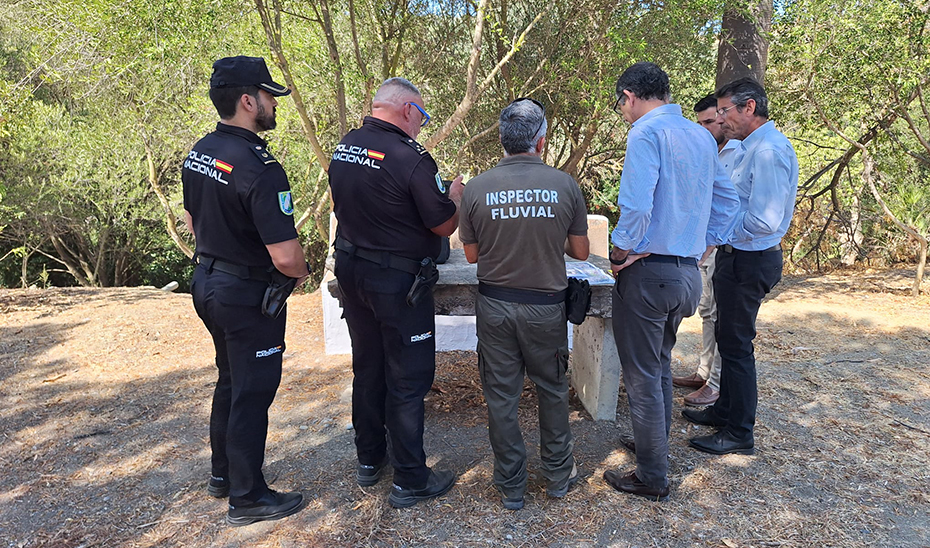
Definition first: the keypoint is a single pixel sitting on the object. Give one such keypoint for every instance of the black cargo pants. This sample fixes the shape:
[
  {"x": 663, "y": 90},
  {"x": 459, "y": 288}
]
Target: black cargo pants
[
  {"x": 249, "y": 348},
  {"x": 393, "y": 359}
]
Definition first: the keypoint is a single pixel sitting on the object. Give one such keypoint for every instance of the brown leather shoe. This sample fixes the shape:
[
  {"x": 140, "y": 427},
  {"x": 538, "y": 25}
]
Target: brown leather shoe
[
  {"x": 691, "y": 381},
  {"x": 704, "y": 395},
  {"x": 629, "y": 483}
]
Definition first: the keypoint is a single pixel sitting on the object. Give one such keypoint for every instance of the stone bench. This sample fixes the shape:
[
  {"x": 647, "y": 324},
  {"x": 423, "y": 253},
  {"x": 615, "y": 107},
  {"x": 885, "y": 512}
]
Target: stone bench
[{"x": 595, "y": 369}]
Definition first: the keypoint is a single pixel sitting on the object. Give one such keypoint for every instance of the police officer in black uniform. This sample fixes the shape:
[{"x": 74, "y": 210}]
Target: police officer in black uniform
[
  {"x": 238, "y": 205},
  {"x": 392, "y": 207}
]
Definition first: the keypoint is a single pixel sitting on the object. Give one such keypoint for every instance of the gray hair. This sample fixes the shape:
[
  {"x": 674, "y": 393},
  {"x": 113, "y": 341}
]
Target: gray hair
[
  {"x": 523, "y": 124},
  {"x": 396, "y": 90},
  {"x": 743, "y": 90}
]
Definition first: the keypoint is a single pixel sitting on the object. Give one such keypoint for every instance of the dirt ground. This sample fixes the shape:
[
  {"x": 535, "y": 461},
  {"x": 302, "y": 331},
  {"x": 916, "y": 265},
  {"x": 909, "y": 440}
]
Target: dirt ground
[{"x": 106, "y": 394}]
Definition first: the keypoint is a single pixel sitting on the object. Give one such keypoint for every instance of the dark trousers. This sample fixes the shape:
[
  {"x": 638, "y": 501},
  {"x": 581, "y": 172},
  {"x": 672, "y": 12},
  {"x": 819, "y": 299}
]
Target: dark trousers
[
  {"x": 393, "y": 359},
  {"x": 741, "y": 281},
  {"x": 514, "y": 338},
  {"x": 249, "y": 348},
  {"x": 649, "y": 301}
]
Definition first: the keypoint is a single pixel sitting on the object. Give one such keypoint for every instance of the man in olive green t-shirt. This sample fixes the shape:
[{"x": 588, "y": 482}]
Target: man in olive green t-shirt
[{"x": 516, "y": 221}]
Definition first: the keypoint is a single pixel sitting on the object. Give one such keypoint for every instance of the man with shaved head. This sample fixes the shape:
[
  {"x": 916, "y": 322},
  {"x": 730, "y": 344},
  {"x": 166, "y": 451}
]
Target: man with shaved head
[{"x": 392, "y": 208}]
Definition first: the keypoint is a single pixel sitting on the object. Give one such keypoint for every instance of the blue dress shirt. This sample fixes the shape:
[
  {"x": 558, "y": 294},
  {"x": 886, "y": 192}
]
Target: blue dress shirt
[
  {"x": 730, "y": 155},
  {"x": 675, "y": 197},
  {"x": 766, "y": 179}
]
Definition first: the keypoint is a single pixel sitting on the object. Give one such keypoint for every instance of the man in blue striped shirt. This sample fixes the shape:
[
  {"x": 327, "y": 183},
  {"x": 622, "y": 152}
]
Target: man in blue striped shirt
[
  {"x": 750, "y": 264},
  {"x": 676, "y": 203}
]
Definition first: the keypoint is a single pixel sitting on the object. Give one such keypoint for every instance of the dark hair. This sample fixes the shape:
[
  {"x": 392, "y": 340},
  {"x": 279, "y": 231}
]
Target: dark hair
[
  {"x": 225, "y": 99},
  {"x": 744, "y": 89},
  {"x": 522, "y": 123},
  {"x": 708, "y": 101},
  {"x": 646, "y": 81}
]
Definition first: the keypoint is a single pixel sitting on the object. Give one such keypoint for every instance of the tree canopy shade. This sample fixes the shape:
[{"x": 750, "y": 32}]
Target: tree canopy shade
[
  {"x": 102, "y": 99},
  {"x": 854, "y": 75}
]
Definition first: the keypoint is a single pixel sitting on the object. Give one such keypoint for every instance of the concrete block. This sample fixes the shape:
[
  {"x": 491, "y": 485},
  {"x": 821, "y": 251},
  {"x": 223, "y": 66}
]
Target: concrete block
[
  {"x": 599, "y": 235},
  {"x": 595, "y": 373}
]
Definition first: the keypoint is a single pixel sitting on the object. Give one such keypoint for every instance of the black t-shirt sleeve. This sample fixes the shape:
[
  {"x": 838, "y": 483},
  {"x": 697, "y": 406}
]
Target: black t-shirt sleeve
[
  {"x": 271, "y": 205},
  {"x": 433, "y": 205}
]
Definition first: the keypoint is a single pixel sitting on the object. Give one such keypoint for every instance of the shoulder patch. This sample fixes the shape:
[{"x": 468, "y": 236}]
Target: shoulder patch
[
  {"x": 263, "y": 155},
  {"x": 286, "y": 203},
  {"x": 421, "y": 150},
  {"x": 439, "y": 184}
]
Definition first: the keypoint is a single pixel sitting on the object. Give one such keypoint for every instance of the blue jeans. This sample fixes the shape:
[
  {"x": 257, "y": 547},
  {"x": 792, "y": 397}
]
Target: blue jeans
[
  {"x": 649, "y": 301},
  {"x": 741, "y": 280}
]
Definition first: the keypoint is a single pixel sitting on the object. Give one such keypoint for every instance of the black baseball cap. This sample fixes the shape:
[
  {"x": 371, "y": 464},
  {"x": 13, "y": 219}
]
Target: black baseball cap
[{"x": 241, "y": 71}]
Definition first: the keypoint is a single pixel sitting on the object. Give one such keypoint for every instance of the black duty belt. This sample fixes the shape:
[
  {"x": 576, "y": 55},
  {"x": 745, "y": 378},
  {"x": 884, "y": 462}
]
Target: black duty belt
[
  {"x": 522, "y": 296},
  {"x": 654, "y": 258},
  {"x": 384, "y": 258},
  {"x": 730, "y": 249},
  {"x": 238, "y": 270}
]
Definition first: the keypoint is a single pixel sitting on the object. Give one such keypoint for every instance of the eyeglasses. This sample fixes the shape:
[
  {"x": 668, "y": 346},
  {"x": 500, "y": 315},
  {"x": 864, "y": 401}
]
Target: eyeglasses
[
  {"x": 621, "y": 100},
  {"x": 722, "y": 112},
  {"x": 538, "y": 104},
  {"x": 426, "y": 117}
]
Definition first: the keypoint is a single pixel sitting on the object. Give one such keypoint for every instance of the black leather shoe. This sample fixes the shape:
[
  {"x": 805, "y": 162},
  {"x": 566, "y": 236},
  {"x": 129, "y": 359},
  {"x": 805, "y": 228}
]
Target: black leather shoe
[
  {"x": 272, "y": 506},
  {"x": 437, "y": 484},
  {"x": 367, "y": 475},
  {"x": 722, "y": 443},
  {"x": 705, "y": 417},
  {"x": 218, "y": 487},
  {"x": 629, "y": 483},
  {"x": 627, "y": 441}
]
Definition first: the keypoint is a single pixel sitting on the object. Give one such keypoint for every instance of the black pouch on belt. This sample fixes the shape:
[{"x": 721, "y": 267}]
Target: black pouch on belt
[
  {"x": 577, "y": 300},
  {"x": 423, "y": 283},
  {"x": 279, "y": 289}
]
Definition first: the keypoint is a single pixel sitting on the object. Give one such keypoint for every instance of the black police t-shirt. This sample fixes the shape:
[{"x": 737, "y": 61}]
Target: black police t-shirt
[
  {"x": 387, "y": 192},
  {"x": 238, "y": 196}
]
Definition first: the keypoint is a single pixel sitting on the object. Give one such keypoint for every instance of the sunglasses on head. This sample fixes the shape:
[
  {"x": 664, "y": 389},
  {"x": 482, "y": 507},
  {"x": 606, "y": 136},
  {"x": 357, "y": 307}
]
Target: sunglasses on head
[{"x": 538, "y": 104}]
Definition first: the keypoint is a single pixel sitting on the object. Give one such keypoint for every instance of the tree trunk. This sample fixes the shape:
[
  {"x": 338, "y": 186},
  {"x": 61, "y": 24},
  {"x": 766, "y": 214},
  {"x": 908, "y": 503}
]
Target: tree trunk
[
  {"x": 743, "y": 49},
  {"x": 271, "y": 23},
  {"x": 921, "y": 266},
  {"x": 852, "y": 239},
  {"x": 473, "y": 88},
  {"x": 171, "y": 223},
  {"x": 868, "y": 166},
  {"x": 326, "y": 24}
]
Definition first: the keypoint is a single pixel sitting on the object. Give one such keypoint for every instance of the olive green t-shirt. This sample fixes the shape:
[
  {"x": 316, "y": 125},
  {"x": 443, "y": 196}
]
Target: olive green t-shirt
[{"x": 520, "y": 213}]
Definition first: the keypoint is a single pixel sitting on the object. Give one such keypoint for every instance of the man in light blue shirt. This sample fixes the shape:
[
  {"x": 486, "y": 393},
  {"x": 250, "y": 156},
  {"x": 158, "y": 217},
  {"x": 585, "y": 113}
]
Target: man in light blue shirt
[
  {"x": 707, "y": 378},
  {"x": 750, "y": 264},
  {"x": 676, "y": 204}
]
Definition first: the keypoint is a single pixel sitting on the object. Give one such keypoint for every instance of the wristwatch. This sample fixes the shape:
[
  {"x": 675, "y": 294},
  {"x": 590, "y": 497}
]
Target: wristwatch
[{"x": 614, "y": 261}]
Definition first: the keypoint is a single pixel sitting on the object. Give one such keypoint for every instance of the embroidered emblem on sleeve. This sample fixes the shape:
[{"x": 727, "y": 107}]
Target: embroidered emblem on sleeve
[
  {"x": 439, "y": 184},
  {"x": 286, "y": 203}
]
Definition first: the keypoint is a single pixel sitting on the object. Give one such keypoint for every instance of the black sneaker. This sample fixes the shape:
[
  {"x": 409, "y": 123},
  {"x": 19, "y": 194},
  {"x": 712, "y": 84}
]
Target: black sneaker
[
  {"x": 437, "y": 484},
  {"x": 218, "y": 487},
  {"x": 369, "y": 474},
  {"x": 272, "y": 506}
]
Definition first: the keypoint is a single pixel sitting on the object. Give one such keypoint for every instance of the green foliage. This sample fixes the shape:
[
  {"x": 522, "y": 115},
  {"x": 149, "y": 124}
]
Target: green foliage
[
  {"x": 858, "y": 66},
  {"x": 92, "y": 90}
]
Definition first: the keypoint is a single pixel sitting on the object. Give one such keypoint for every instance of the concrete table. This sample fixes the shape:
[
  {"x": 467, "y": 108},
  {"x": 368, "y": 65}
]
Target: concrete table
[{"x": 595, "y": 372}]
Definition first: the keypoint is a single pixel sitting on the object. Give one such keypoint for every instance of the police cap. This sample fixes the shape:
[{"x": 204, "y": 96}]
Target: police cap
[{"x": 241, "y": 71}]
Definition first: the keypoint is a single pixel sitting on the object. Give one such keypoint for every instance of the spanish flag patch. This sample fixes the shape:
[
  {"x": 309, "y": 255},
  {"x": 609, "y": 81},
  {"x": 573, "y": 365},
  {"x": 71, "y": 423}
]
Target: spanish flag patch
[
  {"x": 223, "y": 166},
  {"x": 375, "y": 154}
]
